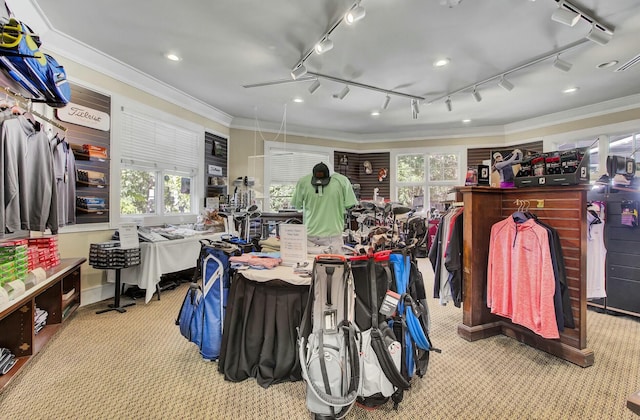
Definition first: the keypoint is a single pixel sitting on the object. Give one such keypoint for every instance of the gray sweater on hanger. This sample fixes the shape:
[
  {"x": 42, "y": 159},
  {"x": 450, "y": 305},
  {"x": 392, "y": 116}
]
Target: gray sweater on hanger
[{"x": 29, "y": 184}]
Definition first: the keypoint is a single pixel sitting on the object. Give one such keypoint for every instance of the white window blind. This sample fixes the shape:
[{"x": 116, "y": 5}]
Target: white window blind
[
  {"x": 287, "y": 167},
  {"x": 148, "y": 141}
]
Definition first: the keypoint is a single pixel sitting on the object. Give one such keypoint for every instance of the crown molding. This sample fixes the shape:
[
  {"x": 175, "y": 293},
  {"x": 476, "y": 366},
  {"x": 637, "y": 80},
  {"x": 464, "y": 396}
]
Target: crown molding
[{"x": 575, "y": 114}]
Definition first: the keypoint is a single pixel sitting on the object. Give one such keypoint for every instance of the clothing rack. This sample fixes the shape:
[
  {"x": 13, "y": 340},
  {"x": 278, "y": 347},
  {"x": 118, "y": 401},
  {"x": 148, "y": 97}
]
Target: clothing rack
[
  {"x": 28, "y": 105},
  {"x": 564, "y": 209}
]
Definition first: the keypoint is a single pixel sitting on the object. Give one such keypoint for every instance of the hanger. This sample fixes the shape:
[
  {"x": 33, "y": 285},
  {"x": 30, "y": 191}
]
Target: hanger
[{"x": 520, "y": 216}]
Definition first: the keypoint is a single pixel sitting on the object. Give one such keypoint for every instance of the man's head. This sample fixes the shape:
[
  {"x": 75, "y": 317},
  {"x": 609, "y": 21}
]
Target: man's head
[
  {"x": 320, "y": 175},
  {"x": 497, "y": 156}
]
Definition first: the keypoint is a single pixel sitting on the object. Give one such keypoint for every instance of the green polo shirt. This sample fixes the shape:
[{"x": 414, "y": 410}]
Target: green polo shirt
[{"x": 323, "y": 212}]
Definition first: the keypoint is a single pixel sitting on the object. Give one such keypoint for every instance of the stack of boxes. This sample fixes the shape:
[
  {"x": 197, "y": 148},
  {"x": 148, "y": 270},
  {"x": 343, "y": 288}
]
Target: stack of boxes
[
  {"x": 109, "y": 255},
  {"x": 43, "y": 252},
  {"x": 13, "y": 261}
]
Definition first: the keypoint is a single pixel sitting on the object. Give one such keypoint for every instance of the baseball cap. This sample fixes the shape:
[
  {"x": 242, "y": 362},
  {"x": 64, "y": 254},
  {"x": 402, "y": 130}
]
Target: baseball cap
[{"x": 320, "y": 175}]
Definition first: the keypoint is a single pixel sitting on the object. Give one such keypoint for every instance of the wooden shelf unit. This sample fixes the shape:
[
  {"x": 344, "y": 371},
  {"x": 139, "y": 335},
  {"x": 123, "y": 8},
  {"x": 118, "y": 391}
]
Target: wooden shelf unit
[
  {"x": 17, "y": 316},
  {"x": 562, "y": 207}
]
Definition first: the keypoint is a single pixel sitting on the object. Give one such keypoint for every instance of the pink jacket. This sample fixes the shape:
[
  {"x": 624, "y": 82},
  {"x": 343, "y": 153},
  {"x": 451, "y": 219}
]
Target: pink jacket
[{"x": 520, "y": 279}]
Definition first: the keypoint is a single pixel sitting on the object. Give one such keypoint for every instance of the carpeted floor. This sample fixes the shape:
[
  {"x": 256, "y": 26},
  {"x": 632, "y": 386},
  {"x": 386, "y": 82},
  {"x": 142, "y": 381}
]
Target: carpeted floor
[{"x": 136, "y": 365}]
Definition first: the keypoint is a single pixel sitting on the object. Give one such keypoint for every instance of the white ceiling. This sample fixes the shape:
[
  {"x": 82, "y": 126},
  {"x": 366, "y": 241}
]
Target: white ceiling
[{"x": 227, "y": 44}]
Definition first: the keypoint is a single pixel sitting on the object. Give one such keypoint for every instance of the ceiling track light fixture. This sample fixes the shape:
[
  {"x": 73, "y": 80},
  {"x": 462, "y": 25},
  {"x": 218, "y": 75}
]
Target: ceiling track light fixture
[
  {"x": 323, "y": 46},
  {"x": 565, "y": 15},
  {"x": 385, "y": 104},
  {"x": 415, "y": 106},
  {"x": 298, "y": 71},
  {"x": 364, "y": 86},
  {"x": 569, "y": 14},
  {"x": 561, "y": 64},
  {"x": 342, "y": 93},
  {"x": 314, "y": 86},
  {"x": 505, "y": 84},
  {"x": 354, "y": 14},
  {"x": 448, "y": 103},
  {"x": 476, "y": 95},
  {"x": 598, "y": 35}
]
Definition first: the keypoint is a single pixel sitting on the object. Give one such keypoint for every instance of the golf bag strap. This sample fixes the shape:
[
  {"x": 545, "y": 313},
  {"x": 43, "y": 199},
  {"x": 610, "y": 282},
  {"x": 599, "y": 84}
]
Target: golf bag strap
[
  {"x": 386, "y": 362},
  {"x": 323, "y": 370}
]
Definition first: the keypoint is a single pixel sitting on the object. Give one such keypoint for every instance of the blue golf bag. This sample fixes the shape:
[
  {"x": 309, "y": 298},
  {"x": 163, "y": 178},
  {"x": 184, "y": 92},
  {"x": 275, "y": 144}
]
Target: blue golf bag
[
  {"x": 411, "y": 321},
  {"x": 201, "y": 317}
]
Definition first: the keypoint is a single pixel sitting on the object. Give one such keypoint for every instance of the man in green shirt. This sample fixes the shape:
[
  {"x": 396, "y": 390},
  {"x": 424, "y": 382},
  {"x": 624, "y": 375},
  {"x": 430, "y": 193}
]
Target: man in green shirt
[{"x": 323, "y": 198}]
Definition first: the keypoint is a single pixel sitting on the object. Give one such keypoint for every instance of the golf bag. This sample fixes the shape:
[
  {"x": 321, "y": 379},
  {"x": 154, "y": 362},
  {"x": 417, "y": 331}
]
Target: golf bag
[
  {"x": 380, "y": 351},
  {"x": 40, "y": 74},
  {"x": 411, "y": 320},
  {"x": 201, "y": 316},
  {"x": 327, "y": 340}
]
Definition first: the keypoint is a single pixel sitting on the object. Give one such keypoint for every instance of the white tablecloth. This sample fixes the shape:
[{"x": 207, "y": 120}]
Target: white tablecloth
[{"x": 158, "y": 258}]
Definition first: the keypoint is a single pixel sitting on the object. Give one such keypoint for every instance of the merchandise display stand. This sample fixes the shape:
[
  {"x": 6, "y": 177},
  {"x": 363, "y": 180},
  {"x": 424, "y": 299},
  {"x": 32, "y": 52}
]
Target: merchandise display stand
[
  {"x": 562, "y": 207},
  {"x": 116, "y": 306},
  {"x": 110, "y": 256}
]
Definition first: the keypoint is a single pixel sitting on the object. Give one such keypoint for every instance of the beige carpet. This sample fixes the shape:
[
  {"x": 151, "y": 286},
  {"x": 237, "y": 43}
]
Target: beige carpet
[{"x": 136, "y": 365}]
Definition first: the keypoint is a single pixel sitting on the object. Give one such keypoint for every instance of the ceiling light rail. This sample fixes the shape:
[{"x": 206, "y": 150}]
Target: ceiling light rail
[
  {"x": 356, "y": 12},
  {"x": 364, "y": 86},
  {"x": 501, "y": 76}
]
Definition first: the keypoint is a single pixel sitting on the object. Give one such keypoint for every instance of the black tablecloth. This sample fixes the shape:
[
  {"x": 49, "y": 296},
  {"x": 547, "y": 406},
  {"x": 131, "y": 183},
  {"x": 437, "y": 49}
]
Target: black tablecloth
[{"x": 259, "y": 338}]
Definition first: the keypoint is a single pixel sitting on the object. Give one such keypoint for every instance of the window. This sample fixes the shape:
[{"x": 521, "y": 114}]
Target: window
[
  {"x": 159, "y": 164},
  {"x": 285, "y": 166},
  {"x": 426, "y": 174}
]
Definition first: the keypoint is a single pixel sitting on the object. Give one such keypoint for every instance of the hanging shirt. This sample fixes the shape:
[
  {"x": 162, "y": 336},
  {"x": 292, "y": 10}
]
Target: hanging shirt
[
  {"x": 520, "y": 277},
  {"x": 596, "y": 256}
]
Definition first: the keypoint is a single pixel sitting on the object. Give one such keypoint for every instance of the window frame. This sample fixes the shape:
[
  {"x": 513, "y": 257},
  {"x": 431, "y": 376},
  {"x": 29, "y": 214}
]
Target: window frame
[
  {"x": 425, "y": 183},
  {"x": 119, "y": 162},
  {"x": 270, "y": 147}
]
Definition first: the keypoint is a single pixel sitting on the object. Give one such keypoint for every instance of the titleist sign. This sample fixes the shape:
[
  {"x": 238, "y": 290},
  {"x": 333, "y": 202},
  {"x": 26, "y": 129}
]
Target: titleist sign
[{"x": 81, "y": 115}]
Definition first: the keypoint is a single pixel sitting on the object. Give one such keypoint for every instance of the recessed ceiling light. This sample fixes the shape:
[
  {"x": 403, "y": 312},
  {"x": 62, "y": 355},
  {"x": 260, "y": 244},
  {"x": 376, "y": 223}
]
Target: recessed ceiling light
[
  {"x": 441, "y": 62},
  {"x": 173, "y": 57},
  {"x": 375, "y": 113},
  {"x": 571, "y": 90},
  {"x": 607, "y": 64},
  {"x": 298, "y": 100},
  {"x": 466, "y": 121}
]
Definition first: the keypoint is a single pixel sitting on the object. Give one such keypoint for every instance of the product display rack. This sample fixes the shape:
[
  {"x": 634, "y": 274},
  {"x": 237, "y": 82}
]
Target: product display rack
[
  {"x": 58, "y": 294},
  {"x": 562, "y": 207}
]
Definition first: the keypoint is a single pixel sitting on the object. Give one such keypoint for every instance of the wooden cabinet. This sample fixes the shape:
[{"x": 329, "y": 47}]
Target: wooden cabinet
[{"x": 59, "y": 295}]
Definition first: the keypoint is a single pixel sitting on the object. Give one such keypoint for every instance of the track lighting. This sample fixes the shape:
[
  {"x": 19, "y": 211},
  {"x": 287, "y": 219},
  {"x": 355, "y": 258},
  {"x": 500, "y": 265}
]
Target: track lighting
[
  {"x": 299, "y": 71},
  {"x": 342, "y": 93},
  {"x": 323, "y": 46},
  {"x": 414, "y": 106},
  {"x": 565, "y": 16},
  {"x": 314, "y": 86},
  {"x": 448, "y": 103},
  {"x": 385, "y": 104},
  {"x": 476, "y": 95},
  {"x": 598, "y": 35},
  {"x": 354, "y": 15},
  {"x": 561, "y": 64},
  {"x": 505, "y": 84}
]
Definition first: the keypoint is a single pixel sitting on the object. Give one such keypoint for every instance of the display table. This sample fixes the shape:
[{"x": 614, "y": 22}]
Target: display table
[
  {"x": 264, "y": 308},
  {"x": 158, "y": 258}
]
